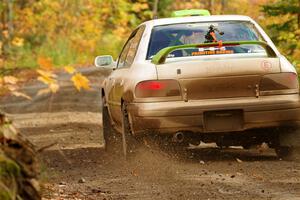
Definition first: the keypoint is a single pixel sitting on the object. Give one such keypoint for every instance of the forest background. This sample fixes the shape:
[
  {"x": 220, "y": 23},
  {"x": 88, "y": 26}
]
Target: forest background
[{"x": 59, "y": 33}]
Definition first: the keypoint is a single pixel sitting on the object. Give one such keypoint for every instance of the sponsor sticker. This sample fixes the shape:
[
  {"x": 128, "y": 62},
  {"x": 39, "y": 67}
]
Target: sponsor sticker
[
  {"x": 200, "y": 53},
  {"x": 266, "y": 65}
]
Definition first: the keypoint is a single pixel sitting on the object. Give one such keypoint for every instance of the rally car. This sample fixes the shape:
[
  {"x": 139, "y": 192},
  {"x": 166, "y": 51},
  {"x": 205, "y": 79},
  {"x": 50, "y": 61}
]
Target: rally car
[{"x": 196, "y": 77}]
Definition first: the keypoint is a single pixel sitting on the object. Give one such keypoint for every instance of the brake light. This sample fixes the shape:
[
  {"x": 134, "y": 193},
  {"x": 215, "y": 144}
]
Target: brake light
[
  {"x": 152, "y": 85},
  {"x": 159, "y": 88},
  {"x": 281, "y": 83}
]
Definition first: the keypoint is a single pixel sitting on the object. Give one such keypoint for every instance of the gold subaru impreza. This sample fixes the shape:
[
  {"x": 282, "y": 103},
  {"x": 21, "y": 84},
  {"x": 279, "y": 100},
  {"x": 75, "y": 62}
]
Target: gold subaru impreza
[{"x": 201, "y": 78}]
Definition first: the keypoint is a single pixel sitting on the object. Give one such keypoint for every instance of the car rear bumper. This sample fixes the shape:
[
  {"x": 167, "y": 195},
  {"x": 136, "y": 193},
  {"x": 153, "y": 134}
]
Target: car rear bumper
[{"x": 170, "y": 117}]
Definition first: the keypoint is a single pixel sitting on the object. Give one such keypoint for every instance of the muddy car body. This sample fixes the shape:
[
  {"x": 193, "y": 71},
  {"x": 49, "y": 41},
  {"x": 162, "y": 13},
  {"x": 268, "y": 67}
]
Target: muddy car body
[{"x": 209, "y": 90}]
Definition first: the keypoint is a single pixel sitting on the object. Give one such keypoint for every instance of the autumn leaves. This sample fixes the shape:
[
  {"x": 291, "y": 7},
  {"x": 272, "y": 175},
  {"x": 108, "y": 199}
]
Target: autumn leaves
[
  {"x": 47, "y": 76},
  {"x": 49, "y": 79}
]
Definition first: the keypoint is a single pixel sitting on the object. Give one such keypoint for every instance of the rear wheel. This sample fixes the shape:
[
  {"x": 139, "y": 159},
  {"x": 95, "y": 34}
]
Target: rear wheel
[
  {"x": 130, "y": 143},
  {"x": 289, "y": 153},
  {"x": 287, "y": 146},
  {"x": 284, "y": 152},
  {"x": 111, "y": 139}
]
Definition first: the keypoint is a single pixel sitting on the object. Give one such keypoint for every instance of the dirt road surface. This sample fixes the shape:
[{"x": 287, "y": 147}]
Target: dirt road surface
[{"x": 77, "y": 167}]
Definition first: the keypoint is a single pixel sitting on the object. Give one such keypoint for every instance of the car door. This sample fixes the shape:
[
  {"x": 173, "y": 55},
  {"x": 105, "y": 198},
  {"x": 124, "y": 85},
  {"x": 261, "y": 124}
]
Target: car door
[{"x": 120, "y": 74}]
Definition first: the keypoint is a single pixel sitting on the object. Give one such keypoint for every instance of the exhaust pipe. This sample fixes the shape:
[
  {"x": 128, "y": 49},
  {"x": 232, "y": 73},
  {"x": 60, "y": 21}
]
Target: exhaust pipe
[{"x": 178, "y": 137}]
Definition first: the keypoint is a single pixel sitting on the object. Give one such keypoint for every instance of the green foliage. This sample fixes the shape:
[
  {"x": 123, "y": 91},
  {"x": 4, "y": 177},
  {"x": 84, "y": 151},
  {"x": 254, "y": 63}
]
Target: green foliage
[
  {"x": 9, "y": 172},
  {"x": 60, "y": 52},
  {"x": 21, "y": 57},
  {"x": 282, "y": 7},
  {"x": 109, "y": 45},
  {"x": 284, "y": 27},
  {"x": 8, "y": 167},
  {"x": 164, "y": 8}
]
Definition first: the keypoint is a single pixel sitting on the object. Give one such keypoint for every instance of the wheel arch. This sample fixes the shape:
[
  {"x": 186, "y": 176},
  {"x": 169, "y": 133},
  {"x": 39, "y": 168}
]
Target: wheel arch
[{"x": 102, "y": 92}]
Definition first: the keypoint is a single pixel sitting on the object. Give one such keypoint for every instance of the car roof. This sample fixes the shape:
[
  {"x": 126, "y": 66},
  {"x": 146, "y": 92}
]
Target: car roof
[{"x": 179, "y": 20}]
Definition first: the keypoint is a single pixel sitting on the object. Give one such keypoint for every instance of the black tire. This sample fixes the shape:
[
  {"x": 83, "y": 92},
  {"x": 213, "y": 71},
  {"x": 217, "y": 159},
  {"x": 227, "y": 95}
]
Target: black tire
[
  {"x": 288, "y": 153},
  {"x": 130, "y": 143},
  {"x": 112, "y": 141},
  {"x": 284, "y": 152},
  {"x": 287, "y": 145}
]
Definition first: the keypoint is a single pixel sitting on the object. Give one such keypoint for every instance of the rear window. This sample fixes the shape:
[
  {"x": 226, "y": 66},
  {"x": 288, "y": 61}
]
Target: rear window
[{"x": 197, "y": 33}]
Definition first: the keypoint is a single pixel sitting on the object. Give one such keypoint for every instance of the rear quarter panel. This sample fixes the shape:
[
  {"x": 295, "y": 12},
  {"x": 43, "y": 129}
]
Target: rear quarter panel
[{"x": 138, "y": 72}]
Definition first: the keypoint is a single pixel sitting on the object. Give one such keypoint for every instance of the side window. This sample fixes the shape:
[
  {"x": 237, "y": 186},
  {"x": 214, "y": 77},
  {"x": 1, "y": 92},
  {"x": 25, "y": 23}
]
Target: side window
[
  {"x": 134, "y": 46},
  {"x": 121, "y": 62},
  {"x": 129, "y": 51}
]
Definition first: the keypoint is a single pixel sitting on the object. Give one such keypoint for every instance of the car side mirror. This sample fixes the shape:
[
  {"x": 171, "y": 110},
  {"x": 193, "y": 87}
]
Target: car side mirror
[{"x": 104, "y": 61}]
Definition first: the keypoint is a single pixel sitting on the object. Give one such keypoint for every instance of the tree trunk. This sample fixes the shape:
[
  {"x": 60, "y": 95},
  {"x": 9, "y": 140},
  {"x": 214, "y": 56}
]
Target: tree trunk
[
  {"x": 7, "y": 21},
  {"x": 10, "y": 17},
  {"x": 223, "y": 8},
  {"x": 155, "y": 9},
  {"x": 299, "y": 14},
  {"x": 2, "y": 23},
  {"x": 211, "y": 6}
]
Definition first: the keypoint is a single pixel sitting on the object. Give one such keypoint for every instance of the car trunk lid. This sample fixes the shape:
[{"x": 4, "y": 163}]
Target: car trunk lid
[{"x": 218, "y": 78}]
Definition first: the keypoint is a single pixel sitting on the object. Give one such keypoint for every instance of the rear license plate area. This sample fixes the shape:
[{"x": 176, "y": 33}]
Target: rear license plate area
[{"x": 223, "y": 120}]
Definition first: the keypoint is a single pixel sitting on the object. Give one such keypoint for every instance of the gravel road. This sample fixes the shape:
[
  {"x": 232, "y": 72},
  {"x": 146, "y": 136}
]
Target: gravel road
[{"x": 77, "y": 167}]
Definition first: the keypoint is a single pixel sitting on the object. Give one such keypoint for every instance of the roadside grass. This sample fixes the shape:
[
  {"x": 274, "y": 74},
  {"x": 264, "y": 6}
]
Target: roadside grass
[
  {"x": 19, "y": 58},
  {"x": 60, "y": 53}
]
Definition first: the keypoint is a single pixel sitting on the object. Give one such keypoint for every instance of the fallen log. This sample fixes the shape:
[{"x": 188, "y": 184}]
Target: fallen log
[{"x": 19, "y": 166}]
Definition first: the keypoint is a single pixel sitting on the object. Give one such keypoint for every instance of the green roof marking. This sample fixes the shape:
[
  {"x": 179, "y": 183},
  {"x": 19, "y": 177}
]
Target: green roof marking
[{"x": 192, "y": 12}]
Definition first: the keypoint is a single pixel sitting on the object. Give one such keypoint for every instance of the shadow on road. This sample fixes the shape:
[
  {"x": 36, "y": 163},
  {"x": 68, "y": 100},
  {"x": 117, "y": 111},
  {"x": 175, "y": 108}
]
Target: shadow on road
[{"x": 83, "y": 157}]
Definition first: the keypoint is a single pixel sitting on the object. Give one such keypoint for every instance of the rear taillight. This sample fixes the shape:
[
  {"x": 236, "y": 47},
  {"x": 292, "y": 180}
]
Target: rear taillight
[
  {"x": 281, "y": 83},
  {"x": 159, "y": 88}
]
